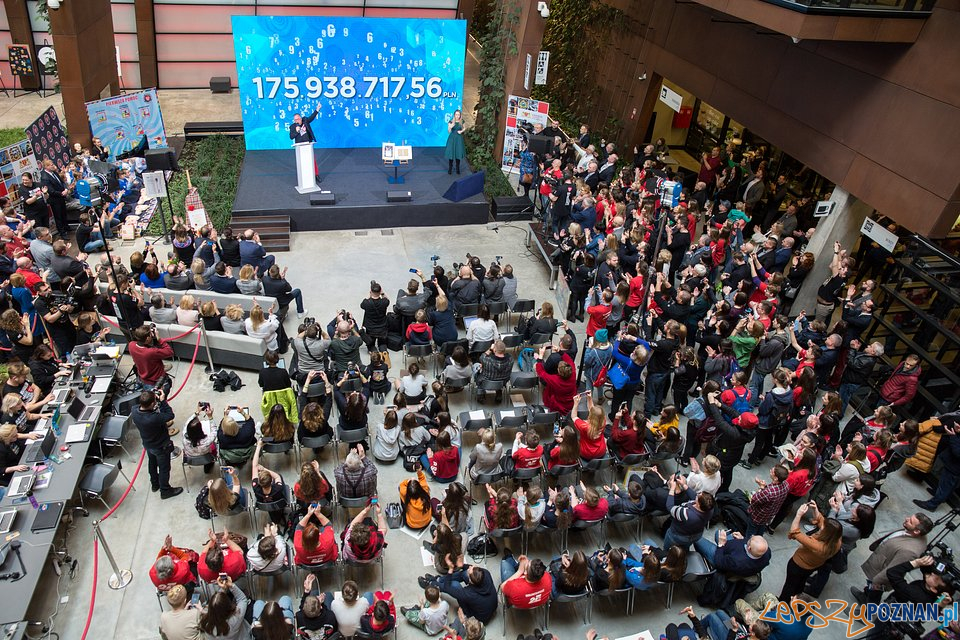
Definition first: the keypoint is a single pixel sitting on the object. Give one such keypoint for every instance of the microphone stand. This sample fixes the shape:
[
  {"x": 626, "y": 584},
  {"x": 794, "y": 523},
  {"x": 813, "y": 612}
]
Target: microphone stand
[{"x": 13, "y": 576}]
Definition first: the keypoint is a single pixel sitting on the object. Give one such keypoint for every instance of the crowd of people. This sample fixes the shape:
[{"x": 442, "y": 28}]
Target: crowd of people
[{"x": 693, "y": 367}]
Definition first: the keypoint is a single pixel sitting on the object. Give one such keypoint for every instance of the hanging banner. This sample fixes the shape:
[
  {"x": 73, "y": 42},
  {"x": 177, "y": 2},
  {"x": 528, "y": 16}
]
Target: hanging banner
[
  {"x": 543, "y": 61},
  {"x": 522, "y": 115},
  {"x": 16, "y": 160},
  {"x": 132, "y": 120},
  {"x": 48, "y": 139}
]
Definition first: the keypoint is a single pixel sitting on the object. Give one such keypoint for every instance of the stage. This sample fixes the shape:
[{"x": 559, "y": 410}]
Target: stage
[{"x": 358, "y": 179}]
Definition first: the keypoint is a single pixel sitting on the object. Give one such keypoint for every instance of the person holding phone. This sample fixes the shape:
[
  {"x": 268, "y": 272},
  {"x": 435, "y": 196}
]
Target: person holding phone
[
  {"x": 182, "y": 622},
  {"x": 364, "y": 539}
]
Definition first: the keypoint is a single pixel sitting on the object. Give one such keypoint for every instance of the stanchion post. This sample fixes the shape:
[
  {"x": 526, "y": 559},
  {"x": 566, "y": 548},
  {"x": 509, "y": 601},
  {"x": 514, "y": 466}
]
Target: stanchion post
[
  {"x": 210, "y": 368},
  {"x": 120, "y": 578}
]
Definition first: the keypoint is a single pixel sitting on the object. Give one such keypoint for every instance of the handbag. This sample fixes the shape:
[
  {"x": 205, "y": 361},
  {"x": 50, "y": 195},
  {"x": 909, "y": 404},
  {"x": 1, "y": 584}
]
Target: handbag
[
  {"x": 394, "y": 515},
  {"x": 481, "y": 546},
  {"x": 386, "y": 358}
]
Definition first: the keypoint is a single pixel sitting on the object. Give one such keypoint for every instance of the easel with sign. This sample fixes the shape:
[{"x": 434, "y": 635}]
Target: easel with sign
[{"x": 395, "y": 156}]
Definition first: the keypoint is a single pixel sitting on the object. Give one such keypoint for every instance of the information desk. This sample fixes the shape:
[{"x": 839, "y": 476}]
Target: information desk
[{"x": 35, "y": 547}]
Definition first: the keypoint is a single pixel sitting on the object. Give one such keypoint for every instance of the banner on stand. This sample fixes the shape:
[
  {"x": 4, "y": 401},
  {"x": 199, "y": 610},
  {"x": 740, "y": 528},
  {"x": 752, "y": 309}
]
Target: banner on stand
[
  {"x": 127, "y": 121},
  {"x": 16, "y": 160},
  {"x": 48, "y": 139},
  {"x": 522, "y": 115}
]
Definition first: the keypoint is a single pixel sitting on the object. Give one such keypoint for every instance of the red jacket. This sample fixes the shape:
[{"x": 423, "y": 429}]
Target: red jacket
[
  {"x": 598, "y": 317},
  {"x": 444, "y": 464},
  {"x": 557, "y": 392},
  {"x": 149, "y": 360},
  {"x": 901, "y": 386}
]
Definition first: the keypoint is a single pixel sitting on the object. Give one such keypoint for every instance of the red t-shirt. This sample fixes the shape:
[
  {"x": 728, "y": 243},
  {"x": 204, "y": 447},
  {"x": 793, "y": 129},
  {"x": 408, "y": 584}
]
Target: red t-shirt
[
  {"x": 635, "y": 299},
  {"x": 444, "y": 464},
  {"x": 583, "y": 512},
  {"x": 554, "y": 459},
  {"x": 326, "y": 548},
  {"x": 526, "y": 458},
  {"x": 590, "y": 449},
  {"x": 526, "y": 595},
  {"x": 234, "y": 565},
  {"x": 598, "y": 317},
  {"x": 181, "y": 575}
]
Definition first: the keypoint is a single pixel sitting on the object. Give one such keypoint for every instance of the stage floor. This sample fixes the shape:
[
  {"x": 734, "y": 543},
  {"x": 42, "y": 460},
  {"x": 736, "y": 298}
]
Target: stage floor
[{"x": 358, "y": 179}]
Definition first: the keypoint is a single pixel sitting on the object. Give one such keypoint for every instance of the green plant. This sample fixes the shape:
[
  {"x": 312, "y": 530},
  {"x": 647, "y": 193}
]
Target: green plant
[
  {"x": 11, "y": 136},
  {"x": 576, "y": 31},
  {"x": 214, "y": 164},
  {"x": 499, "y": 42},
  {"x": 496, "y": 184}
]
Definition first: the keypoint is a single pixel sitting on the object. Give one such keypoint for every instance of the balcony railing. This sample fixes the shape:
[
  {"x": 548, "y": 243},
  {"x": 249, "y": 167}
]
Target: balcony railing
[{"x": 873, "y": 8}]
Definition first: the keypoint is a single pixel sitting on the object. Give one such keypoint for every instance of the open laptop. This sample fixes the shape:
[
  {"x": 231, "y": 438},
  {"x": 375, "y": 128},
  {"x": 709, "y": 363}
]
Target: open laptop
[
  {"x": 48, "y": 516},
  {"x": 81, "y": 413},
  {"x": 40, "y": 451},
  {"x": 61, "y": 395},
  {"x": 100, "y": 370},
  {"x": 21, "y": 484},
  {"x": 101, "y": 384},
  {"x": 6, "y": 520}
]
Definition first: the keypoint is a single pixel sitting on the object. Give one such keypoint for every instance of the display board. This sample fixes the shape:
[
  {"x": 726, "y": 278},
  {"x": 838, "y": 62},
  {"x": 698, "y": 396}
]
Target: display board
[
  {"x": 522, "y": 115},
  {"x": 48, "y": 139},
  {"x": 16, "y": 160},
  {"x": 122, "y": 122},
  {"x": 21, "y": 62},
  {"x": 370, "y": 79}
]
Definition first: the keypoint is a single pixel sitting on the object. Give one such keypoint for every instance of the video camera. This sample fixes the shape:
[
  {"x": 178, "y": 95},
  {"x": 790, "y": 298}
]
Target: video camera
[
  {"x": 68, "y": 297},
  {"x": 944, "y": 565}
]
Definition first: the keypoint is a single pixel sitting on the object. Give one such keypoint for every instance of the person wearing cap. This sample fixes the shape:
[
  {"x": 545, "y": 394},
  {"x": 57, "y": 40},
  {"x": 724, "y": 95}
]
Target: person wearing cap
[
  {"x": 733, "y": 438},
  {"x": 598, "y": 354}
]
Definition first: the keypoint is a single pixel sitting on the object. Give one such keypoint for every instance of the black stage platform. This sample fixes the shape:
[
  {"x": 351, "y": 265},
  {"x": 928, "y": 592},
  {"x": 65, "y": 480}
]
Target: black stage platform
[{"x": 358, "y": 178}]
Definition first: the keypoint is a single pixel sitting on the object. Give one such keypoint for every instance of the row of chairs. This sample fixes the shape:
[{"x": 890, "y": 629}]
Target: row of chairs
[{"x": 698, "y": 569}]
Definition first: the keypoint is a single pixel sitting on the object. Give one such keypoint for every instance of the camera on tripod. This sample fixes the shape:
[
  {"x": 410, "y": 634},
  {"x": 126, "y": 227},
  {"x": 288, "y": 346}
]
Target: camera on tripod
[{"x": 944, "y": 565}]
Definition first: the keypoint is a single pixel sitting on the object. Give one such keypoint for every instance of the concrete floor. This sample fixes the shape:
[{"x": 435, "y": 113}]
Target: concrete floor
[
  {"x": 317, "y": 261},
  {"x": 334, "y": 270}
]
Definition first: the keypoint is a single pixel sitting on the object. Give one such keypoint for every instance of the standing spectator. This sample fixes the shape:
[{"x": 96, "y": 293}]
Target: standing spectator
[
  {"x": 153, "y": 417},
  {"x": 900, "y": 388},
  {"x": 148, "y": 352},
  {"x": 560, "y": 388},
  {"x": 892, "y": 549},
  {"x": 949, "y": 475},
  {"x": 828, "y": 295},
  {"x": 625, "y": 375},
  {"x": 814, "y": 551},
  {"x": 690, "y": 518},
  {"x": 765, "y": 503},
  {"x": 375, "y": 307}
]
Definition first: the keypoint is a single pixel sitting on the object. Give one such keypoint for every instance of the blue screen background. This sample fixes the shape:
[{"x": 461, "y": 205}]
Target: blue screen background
[{"x": 302, "y": 47}]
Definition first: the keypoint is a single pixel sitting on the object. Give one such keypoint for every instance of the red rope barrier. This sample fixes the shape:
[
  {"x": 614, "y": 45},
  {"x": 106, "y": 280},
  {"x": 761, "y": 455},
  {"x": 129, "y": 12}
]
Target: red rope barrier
[
  {"x": 136, "y": 472},
  {"x": 193, "y": 361},
  {"x": 93, "y": 592},
  {"x": 184, "y": 334}
]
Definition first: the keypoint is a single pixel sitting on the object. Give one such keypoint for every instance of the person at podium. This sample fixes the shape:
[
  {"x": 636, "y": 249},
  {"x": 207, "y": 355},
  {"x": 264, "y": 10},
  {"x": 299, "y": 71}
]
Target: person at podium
[
  {"x": 301, "y": 131},
  {"x": 456, "y": 150}
]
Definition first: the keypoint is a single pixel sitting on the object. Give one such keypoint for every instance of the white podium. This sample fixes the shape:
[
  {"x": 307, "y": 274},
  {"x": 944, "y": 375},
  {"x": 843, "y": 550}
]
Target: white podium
[{"x": 306, "y": 176}]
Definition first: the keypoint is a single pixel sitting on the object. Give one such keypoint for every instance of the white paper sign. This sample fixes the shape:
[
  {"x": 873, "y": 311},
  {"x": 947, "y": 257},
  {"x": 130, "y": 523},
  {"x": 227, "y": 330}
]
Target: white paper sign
[
  {"x": 671, "y": 98},
  {"x": 543, "y": 61},
  {"x": 153, "y": 185},
  {"x": 197, "y": 218},
  {"x": 526, "y": 73},
  {"x": 879, "y": 234}
]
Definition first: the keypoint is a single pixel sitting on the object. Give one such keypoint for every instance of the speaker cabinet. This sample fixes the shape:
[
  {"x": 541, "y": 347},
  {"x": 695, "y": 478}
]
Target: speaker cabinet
[
  {"x": 161, "y": 160},
  {"x": 220, "y": 84},
  {"x": 322, "y": 199},
  {"x": 399, "y": 196}
]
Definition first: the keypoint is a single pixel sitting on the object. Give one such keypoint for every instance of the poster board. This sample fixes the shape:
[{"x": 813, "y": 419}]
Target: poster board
[
  {"x": 21, "y": 61},
  {"x": 16, "y": 160},
  {"x": 48, "y": 139},
  {"x": 122, "y": 122},
  {"x": 520, "y": 111}
]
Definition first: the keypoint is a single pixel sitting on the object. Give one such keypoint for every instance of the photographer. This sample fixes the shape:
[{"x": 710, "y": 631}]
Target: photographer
[
  {"x": 129, "y": 301},
  {"x": 933, "y": 587},
  {"x": 375, "y": 307},
  {"x": 153, "y": 418},
  {"x": 949, "y": 476},
  {"x": 149, "y": 351},
  {"x": 465, "y": 289},
  {"x": 55, "y": 312},
  {"x": 345, "y": 343},
  {"x": 311, "y": 346}
]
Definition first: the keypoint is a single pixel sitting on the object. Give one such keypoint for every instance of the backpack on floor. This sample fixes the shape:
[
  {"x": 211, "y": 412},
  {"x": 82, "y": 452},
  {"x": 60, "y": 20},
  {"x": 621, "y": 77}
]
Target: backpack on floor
[{"x": 481, "y": 546}]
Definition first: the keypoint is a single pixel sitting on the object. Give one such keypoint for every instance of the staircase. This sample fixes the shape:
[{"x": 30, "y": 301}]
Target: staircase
[{"x": 274, "y": 230}]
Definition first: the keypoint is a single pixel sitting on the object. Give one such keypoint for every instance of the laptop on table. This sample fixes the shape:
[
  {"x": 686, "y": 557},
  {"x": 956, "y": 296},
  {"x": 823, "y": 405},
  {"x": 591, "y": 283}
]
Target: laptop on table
[
  {"x": 38, "y": 451},
  {"x": 48, "y": 516},
  {"x": 82, "y": 413}
]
